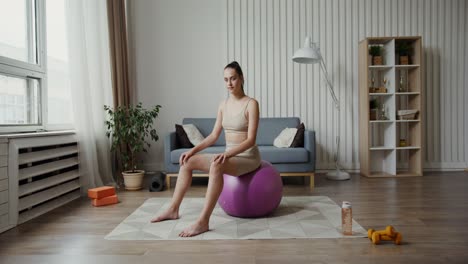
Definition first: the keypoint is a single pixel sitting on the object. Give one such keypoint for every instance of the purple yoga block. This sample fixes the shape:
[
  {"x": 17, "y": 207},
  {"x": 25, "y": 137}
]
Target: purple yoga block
[{"x": 255, "y": 194}]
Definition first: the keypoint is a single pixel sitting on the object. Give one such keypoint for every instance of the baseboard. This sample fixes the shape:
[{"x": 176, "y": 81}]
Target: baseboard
[
  {"x": 350, "y": 167},
  {"x": 445, "y": 166}
]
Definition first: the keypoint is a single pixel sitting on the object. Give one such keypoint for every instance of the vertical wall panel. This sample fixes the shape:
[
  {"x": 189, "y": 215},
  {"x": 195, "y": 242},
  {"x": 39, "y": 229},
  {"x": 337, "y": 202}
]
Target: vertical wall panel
[
  {"x": 250, "y": 74},
  {"x": 465, "y": 84},
  {"x": 289, "y": 50},
  {"x": 303, "y": 72},
  {"x": 263, "y": 35},
  {"x": 464, "y": 11},
  {"x": 257, "y": 54},
  {"x": 284, "y": 58},
  {"x": 309, "y": 119},
  {"x": 263, "y": 50}
]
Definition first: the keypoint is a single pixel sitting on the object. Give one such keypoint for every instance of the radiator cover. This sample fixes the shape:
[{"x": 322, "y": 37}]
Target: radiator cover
[{"x": 43, "y": 174}]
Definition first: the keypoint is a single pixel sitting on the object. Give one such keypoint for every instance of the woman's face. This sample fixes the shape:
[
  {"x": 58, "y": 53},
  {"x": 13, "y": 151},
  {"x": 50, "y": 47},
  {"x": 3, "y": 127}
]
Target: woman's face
[{"x": 233, "y": 81}]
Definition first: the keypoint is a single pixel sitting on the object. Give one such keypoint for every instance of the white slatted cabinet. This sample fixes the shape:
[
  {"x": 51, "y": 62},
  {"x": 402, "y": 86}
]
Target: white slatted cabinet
[{"x": 38, "y": 173}]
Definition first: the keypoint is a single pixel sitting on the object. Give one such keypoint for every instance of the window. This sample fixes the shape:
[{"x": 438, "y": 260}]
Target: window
[
  {"x": 19, "y": 100},
  {"x": 18, "y": 39},
  {"x": 58, "y": 75},
  {"x": 34, "y": 78}
]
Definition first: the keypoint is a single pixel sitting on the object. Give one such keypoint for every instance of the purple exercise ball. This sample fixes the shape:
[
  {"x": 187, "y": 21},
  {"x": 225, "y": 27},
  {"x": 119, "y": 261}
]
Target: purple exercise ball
[{"x": 254, "y": 194}]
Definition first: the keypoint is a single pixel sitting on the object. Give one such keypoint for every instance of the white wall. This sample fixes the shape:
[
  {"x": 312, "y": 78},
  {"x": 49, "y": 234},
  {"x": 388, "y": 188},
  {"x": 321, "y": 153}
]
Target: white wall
[
  {"x": 180, "y": 52},
  {"x": 263, "y": 34}
]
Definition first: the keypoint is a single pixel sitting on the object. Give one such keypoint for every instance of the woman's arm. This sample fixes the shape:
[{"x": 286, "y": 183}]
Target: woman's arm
[
  {"x": 214, "y": 135},
  {"x": 209, "y": 140},
  {"x": 253, "y": 117}
]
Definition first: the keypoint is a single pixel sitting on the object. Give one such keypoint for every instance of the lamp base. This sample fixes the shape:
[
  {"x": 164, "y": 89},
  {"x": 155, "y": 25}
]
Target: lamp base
[{"x": 338, "y": 175}]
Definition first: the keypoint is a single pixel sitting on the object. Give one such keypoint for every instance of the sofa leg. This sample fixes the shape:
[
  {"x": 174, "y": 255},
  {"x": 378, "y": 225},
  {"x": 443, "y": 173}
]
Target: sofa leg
[
  {"x": 312, "y": 181},
  {"x": 168, "y": 180}
]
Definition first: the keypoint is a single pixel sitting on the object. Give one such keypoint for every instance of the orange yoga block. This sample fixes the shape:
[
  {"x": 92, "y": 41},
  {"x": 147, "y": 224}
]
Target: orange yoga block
[
  {"x": 101, "y": 192},
  {"x": 105, "y": 201}
]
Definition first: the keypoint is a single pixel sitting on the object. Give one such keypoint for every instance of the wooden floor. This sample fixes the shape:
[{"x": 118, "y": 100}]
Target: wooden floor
[{"x": 431, "y": 212}]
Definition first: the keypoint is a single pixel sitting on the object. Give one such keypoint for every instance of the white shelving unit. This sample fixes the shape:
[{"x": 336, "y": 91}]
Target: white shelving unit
[{"x": 390, "y": 147}]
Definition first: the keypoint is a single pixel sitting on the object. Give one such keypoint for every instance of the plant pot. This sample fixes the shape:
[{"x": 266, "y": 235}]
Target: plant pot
[
  {"x": 377, "y": 60},
  {"x": 404, "y": 60},
  {"x": 133, "y": 180}
]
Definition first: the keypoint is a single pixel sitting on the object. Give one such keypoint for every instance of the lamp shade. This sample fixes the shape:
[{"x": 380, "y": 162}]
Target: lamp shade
[{"x": 309, "y": 54}]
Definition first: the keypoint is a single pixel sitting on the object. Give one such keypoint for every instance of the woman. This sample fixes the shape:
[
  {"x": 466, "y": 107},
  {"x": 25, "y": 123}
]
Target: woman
[{"x": 238, "y": 115}]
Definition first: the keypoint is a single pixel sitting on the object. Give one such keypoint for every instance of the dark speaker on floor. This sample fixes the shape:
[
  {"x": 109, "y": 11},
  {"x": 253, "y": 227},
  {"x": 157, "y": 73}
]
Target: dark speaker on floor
[{"x": 157, "y": 183}]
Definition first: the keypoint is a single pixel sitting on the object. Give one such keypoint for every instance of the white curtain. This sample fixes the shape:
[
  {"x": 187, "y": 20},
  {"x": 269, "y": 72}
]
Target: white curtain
[{"x": 91, "y": 86}]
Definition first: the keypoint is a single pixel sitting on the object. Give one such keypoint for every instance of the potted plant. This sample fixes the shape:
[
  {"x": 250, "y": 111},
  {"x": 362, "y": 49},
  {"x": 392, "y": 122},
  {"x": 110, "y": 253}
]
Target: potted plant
[
  {"x": 373, "y": 107},
  {"x": 131, "y": 131},
  {"x": 376, "y": 52},
  {"x": 403, "y": 50}
]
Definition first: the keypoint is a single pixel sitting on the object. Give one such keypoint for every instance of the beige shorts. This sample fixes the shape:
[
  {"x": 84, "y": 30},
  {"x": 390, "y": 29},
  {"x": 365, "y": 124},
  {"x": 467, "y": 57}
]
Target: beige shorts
[
  {"x": 245, "y": 162},
  {"x": 240, "y": 164}
]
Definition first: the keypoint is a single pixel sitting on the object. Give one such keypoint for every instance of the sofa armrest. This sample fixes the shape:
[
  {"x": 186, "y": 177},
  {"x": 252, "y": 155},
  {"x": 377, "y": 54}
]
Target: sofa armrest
[
  {"x": 169, "y": 145},
  {"x": 309, "y": 144}
]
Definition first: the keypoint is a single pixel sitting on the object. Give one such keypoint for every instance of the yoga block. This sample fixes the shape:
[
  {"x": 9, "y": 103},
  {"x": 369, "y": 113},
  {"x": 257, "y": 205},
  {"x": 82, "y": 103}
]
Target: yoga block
[
  {"x": 105, "y": 201},
  {"x": 101, "y": 192}
]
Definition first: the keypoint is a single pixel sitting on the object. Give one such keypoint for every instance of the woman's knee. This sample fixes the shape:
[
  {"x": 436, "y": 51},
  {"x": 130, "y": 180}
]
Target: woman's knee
[
  {"x": 196, "y": 162},
  {"x": 216, "y": 168}
]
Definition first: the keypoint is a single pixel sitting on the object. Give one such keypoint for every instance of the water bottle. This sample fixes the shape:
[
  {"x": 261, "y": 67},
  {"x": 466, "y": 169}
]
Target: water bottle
[{"x": 347, "y": 218}]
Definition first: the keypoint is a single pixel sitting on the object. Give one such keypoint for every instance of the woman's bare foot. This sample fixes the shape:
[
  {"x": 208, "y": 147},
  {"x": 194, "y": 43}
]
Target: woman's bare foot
[
  {"x": 195, "y": 229},
  {"x": 170, "y": 214}
]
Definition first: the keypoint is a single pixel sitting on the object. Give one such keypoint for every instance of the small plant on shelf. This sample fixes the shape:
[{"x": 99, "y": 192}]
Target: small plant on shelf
[
  {"x": 404, "y": 51},
  {"x": 376, "y": 52}
]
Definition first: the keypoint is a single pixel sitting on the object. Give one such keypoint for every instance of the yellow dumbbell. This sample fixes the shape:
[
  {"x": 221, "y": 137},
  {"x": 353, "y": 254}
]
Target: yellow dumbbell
[{"x": 388, "y": 234}]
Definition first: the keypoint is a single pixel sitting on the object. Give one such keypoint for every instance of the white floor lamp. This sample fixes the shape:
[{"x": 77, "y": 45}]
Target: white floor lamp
[{"x": 310, "y": 54}]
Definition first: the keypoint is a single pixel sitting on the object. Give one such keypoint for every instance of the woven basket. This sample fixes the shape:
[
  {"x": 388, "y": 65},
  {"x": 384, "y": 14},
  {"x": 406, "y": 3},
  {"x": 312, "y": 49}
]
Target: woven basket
[{"x": 407, "y": 114}]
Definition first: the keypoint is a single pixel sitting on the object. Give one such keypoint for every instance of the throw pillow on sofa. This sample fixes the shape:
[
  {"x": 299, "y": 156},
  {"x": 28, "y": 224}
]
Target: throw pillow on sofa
[
  {"x": 193, "y": 134},
  {"x": 298, "y": 141},
  {"x": 182, "y": 139},
  {"x": 285, "y": 138}
]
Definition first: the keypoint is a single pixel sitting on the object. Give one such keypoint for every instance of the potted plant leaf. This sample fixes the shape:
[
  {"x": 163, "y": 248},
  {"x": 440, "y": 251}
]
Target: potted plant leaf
[
  {"x": 376, "y": 52},
  {"x": 131, "y": 131},
  {"x": 403, "y": 49}
]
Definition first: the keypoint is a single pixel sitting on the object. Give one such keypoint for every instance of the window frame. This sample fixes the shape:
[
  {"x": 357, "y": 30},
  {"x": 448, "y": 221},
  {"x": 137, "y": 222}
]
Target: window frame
[
  {"x": 42, "y": 79},
  {"x": 22, "y": 69}
]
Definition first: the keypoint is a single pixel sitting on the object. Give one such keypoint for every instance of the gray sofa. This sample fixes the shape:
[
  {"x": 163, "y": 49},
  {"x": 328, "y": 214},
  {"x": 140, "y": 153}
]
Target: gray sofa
[{"x": 288, "y": 161}]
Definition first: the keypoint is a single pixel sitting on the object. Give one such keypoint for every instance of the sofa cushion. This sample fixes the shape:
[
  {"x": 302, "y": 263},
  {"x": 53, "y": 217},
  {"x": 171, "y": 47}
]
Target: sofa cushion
[
  {"x": 298, "y": 141},
  {"x": 283, "y": 155},
  {"x": 205, "y": 126},
  {"x": 268, "y": 153},
  {"x": 270, "y": 127},
  {"x": 193, "y": 134},
  {"x": 182, "y": 140},
  {"x": 285, "y": 138}
]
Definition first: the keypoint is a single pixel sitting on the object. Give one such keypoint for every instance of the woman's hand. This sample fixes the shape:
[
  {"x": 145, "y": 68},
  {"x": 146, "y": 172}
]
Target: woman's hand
[
  {"x": 221, "y": 157},
  {"x": 185, "y": 157}
]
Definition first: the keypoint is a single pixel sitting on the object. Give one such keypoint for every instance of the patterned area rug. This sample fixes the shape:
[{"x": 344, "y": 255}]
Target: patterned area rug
[{"x": 296, "y": 217}]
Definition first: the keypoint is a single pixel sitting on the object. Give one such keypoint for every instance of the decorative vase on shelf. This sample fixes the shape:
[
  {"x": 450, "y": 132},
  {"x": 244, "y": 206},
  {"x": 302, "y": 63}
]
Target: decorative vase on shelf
[
  {"x": 401, "y": 88},
  {"x": 383, "y": 113}
]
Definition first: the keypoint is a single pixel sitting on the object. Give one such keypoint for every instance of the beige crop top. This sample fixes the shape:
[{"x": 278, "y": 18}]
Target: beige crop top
[{"x": 237, "y": 123}]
